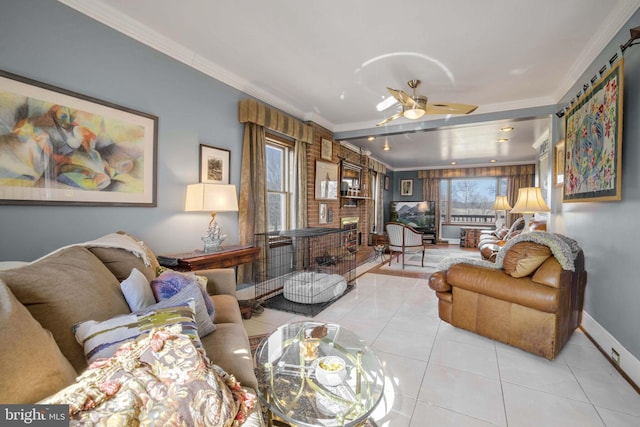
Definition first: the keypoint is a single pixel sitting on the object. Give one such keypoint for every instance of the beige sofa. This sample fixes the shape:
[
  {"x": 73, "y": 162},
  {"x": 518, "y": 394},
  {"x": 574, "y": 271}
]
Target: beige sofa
[{"x": 42, "y": 300}]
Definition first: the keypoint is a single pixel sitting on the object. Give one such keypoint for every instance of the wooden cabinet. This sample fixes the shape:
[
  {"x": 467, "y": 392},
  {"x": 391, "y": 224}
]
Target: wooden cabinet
[
  {"x": 470, "y": 236},
  {"x": 229, "y": 256}
]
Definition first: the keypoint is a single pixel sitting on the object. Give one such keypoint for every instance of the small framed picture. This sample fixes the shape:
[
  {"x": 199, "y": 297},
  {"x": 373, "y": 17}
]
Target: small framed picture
[
  {"x": 326, "y": 149},
  {"x": 322, "y": 213},
  {"x": 214, "y": 165},
  {"x": 387, "y": 183},
  {"x": 406, "y": 187}
]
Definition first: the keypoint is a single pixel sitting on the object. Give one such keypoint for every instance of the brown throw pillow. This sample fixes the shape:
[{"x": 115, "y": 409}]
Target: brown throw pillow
[
  {"x": 64, "y": 288},
  {"x": 31, "y": 365},
  {"x": 524, "y": 258}
]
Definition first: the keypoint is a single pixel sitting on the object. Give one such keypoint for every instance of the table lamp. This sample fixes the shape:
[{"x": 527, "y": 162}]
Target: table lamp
[
  {"x": 529, "y": 202},
  {"x": 501, "y": 205},
  {"x": 212, "y": 198}
]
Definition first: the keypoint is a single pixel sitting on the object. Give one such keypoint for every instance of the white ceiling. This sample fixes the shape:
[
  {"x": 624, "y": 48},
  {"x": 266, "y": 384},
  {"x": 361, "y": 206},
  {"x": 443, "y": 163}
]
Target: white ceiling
[{"x": 330, "y": 62}]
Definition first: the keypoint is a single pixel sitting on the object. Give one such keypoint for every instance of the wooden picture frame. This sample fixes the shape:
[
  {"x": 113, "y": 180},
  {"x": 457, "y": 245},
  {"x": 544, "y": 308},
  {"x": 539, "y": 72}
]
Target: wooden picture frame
[
  {"x": 326, "y": 182},
  {"x": 387, "y": 183},
  {"x": 406, "y": 187},
  {"x": 63, "y": 148},
  {"x": 593, "y": 141},
  {"x": 214, "y": 165},
  {"x": 558, "y": 164},
  {"x": 326, "y": 149}
]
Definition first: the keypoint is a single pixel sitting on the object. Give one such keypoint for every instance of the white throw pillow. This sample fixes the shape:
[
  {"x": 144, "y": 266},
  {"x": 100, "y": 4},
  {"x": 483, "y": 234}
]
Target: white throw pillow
[{"x": 137, "y": 291}]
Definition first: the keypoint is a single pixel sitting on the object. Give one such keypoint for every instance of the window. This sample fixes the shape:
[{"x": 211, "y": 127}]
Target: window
[
  {"x": 470, "y": 200},
  {"x": 279, "y": 164}
]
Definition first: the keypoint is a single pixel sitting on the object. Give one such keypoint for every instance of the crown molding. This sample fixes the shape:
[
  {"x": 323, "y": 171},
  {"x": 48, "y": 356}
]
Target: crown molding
[
  {"x": 596, "y": 45},
  {"x": 107, "y": 15}
]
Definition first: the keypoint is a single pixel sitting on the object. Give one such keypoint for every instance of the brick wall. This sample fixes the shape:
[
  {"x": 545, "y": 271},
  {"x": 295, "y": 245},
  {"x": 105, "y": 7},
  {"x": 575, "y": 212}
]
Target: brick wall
[{"x": 337, "y": 152}]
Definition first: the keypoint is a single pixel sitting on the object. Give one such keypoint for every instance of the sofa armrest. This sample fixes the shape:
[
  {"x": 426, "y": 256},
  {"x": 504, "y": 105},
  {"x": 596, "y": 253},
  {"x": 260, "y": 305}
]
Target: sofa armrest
[
  {"x": 438, "y": 282},
  {"x": 220, "y": 281}
]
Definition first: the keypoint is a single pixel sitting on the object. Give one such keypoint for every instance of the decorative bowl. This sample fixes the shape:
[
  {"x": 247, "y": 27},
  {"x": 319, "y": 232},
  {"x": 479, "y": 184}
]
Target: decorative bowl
[{"x": 331, "y": 370}]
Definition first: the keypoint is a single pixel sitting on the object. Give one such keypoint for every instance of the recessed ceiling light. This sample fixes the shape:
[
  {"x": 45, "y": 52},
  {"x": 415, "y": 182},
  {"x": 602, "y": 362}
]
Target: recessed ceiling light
[
  {"x": 371, "y": 138},
  {"x": 492, "y": 160},
  {"x": 506, "y": 129},
  {"x": 503, "y": 140},
  {"x": 453, "y": 163}
]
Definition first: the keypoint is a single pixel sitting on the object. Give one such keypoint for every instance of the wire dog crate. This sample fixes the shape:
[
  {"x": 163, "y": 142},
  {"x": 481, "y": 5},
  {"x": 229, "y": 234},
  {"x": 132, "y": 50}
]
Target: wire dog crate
[{"x": 302, "y": 271}]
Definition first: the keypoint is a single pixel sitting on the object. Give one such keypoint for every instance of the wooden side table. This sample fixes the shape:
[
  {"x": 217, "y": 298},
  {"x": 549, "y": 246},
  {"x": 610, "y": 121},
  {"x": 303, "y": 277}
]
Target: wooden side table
[{"x": 229, "y": 256}]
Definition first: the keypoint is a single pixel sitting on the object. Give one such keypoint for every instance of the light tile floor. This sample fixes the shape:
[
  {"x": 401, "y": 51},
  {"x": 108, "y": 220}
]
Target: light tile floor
[{"x": 438, "y": 375}]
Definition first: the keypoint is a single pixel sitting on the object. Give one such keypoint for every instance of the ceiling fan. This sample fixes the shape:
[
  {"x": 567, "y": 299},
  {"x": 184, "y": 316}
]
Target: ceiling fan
[{"x": 416, "y": 106}]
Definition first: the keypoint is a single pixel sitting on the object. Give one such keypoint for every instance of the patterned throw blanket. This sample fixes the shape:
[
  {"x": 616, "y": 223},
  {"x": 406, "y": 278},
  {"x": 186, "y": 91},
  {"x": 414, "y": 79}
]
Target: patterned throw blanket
[
  {"x": 563, "y": 248},
  {"x": 161, "y": 378}
]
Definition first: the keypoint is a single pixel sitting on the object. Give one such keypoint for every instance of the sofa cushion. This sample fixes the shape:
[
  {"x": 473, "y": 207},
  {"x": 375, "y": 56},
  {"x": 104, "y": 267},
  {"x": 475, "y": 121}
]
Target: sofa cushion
[
  {"x": 31, "y": 364},
  {"x": 120, "y": 262},
  {"x": 524, "y": 258},
  {"x": 229, "y": 348},
  {"x": 64, "y": 288},
  {"x": 137, "y": 291},
  {"x": 102, "y": 339},
  {"x": 171, "y": 282}
]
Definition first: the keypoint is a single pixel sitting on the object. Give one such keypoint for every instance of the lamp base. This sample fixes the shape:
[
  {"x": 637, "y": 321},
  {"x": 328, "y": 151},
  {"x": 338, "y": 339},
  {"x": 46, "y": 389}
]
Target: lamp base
[
  {"x": 214, "y": 238},
  {"x": 527, "y": 222}
]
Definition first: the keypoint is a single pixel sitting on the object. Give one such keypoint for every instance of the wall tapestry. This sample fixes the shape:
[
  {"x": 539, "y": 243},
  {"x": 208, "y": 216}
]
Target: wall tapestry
[
  {"x": 593, "y": 142},
  {"x": 62, "y": 148}
]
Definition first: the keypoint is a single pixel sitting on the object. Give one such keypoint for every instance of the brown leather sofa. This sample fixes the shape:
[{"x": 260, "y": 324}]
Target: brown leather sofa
[
  {"x": 527, "y": 299},
  {"x": 490, "y": 243}
]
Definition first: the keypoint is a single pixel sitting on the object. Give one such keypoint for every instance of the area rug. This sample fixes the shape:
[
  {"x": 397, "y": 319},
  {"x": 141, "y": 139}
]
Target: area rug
[
  {"x": 254, "y": 342},
  {"x": 431, "y": 259},
  {"x": 279, "y": 302}
]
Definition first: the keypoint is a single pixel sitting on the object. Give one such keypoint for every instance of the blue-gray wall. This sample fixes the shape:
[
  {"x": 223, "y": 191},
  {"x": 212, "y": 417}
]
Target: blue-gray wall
[
  {"x": 608, "y": 231},
  {"x": 51, "y": 43}
]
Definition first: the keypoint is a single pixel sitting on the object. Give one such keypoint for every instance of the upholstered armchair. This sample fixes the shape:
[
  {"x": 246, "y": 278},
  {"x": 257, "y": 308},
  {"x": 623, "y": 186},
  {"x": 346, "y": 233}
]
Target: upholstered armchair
[{"x": 404, "y": 239}]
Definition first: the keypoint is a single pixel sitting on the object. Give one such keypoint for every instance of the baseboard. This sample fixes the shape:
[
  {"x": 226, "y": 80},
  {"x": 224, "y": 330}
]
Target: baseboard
[{"x": 629, "y": 364}]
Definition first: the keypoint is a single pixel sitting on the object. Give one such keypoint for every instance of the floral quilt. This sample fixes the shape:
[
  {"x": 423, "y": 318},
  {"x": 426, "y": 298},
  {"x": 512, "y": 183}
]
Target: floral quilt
[{"x": 161, "y": 378}]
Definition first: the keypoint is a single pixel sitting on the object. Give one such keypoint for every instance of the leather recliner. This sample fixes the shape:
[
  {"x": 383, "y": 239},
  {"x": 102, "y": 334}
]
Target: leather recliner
[{"x": 536, "y": 311}]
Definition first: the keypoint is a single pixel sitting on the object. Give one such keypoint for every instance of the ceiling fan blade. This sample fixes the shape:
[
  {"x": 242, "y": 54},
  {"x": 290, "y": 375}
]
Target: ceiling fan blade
[
  {"x": 402, "y": 97},
  {"x": 450, "y": 108},
  {"x": 388, "y": 119}
]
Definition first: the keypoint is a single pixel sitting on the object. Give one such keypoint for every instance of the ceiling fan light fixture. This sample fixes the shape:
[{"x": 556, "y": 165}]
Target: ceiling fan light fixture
[{"x": 413, "y": 113}]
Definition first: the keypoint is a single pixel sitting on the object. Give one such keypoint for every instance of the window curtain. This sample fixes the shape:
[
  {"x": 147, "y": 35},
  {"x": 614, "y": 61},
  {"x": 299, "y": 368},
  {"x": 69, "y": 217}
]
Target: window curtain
[
  {"x": 376, "y": 182},
  {"x": 252, "y": 204},
  {"x": 431, "y": 192},
  {"x": 517, "y": 176},
  {"x": 299, "y": 189},
  {"x": 514, "y": 183},
  {"x": 253, "y": 192}
]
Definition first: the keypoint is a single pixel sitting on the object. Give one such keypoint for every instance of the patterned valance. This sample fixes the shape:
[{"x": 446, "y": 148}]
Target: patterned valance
[
  {"x": 255, "y": 112},
  {"x": 478, "y": 172},
  {"x": 376, "y": 166}
]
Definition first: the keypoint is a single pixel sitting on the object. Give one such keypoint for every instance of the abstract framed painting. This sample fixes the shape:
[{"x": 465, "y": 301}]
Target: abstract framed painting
[
  {"x": 593, "y": 142},
  {"x": 214, "y": 165},
  {"x": 58, "y": 147}
]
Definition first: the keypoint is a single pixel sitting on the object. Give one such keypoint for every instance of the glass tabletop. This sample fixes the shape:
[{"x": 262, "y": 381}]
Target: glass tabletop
[{"x": 318, "y": 374}]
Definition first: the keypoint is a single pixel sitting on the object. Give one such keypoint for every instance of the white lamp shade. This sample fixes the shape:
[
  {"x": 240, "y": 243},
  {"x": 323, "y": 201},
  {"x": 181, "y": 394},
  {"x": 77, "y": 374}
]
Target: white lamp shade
[
  {"x": 530, "y": 201},
  {"x": 211, "y": 197},
  {"x": 501, "y": 204}
]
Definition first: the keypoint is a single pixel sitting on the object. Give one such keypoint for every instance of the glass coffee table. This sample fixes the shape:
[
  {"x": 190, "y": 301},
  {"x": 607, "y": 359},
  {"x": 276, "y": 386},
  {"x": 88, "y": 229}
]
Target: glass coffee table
[{"x": 317, "y": 374}]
